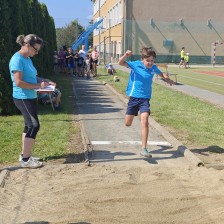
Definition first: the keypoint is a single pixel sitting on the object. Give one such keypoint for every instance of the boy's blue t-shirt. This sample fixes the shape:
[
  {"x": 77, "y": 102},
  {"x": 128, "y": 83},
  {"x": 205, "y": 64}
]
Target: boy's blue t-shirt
[
  {"x": 29, "y": 74},
  {"x": 140, "y": 80}
]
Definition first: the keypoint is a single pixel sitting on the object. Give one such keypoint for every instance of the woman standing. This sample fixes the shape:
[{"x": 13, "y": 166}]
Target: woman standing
[{"x": 25, "y": 81}]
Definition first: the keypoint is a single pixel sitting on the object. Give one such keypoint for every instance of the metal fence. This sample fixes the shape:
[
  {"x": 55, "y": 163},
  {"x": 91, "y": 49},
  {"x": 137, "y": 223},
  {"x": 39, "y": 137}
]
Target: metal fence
[
  {"x": 203, "y": 40},
  {"x": 167, "y": 39}
]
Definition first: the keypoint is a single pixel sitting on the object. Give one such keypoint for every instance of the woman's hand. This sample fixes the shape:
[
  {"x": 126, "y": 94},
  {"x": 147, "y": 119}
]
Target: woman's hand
[
  {"x": 43, "y": 84},
  {"x": 52, "y": 83}
]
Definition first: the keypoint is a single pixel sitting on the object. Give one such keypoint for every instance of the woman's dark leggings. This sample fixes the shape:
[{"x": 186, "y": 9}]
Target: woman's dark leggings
[{"x": 28, "y": 108}]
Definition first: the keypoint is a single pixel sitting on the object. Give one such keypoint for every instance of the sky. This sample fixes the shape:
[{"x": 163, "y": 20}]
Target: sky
[{"x": 66, "y": 11}]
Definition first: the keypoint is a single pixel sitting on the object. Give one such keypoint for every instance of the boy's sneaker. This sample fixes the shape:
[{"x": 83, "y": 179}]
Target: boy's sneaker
[
  {"x": 145, "y": 152},
  {"x": 31, "y": 163}
]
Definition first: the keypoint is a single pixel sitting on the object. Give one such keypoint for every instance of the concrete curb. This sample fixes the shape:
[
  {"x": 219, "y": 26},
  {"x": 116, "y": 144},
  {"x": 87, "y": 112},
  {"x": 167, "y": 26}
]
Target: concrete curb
[
  {"x": 85, "y": 140},
  {"x": 170, "y": 138},
  {"x": 176, "y": 144}
]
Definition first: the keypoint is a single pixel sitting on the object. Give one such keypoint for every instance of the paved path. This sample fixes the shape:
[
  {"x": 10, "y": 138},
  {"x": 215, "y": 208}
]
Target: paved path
[
  {"x": 102, "y": 112},
  {"x": 213, "y": 98}
]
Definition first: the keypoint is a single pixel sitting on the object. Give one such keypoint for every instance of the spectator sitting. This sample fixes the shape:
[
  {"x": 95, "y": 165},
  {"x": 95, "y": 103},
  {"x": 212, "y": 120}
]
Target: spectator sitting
[
  {"x": 110, "y": 69},
  {"x": 56, "y": 98}
]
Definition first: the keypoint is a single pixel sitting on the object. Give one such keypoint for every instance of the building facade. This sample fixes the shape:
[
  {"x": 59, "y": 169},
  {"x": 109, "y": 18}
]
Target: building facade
[
  {"x": 167, "y": 26},
  {"x": 109, "y": 37}
]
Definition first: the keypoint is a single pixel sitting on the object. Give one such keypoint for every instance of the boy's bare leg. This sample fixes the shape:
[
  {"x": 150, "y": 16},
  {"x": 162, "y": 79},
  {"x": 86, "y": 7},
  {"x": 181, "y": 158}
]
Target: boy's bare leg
[
  {"x": 128, "y": 120},
  {"x": 145, "y": 128},
  {"x": 145, "y": 131}
]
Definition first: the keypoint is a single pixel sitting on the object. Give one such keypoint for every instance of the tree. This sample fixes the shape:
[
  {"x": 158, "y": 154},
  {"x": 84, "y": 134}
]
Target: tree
[
  {"x": 68, "y": 34},
  {"x": 23, "y": 17},
  {"x": 6, "y": 104}
]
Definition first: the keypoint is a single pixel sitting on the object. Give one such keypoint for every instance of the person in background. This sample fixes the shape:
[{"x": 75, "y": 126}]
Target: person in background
[
  {"x": 90, "y": 50},
  {"x": 186, "y": 60},
  {"x": 66, "y": 59},
  {"x": 80, "y": 66},
  {"x": 70, "y": 59},
  {"x": 88, "y": 65},
  {"x": 83, "y": 54},
  {"x": 91, "y": 63},
  {"x": 139, "y": 90},
  {"x": 182, "y": 54},
  {"x": 95, "y": 56},
  {"x": 24, "y": 82},
  {"x": 110, "y": 69},
  {"x": 61, "y": 60},
  {"x": 55, "y": 61},
  {"x": 56, "y": 98},
  {"x": 76, "y": 56}
]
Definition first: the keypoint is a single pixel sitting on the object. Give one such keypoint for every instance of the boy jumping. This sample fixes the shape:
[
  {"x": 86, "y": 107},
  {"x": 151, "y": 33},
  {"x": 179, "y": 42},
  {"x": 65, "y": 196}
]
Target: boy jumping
[{"x": 139, "y": 90}]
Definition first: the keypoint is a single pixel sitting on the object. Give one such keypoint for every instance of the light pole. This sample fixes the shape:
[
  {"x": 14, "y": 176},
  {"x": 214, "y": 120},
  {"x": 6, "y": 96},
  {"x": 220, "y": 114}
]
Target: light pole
[
  {"x": 99, "y": 33},
  {"x": 76, "y": 29}
]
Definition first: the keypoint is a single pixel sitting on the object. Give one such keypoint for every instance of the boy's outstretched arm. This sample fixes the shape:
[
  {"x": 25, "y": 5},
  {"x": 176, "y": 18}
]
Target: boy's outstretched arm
[
  {"x": 122, "y": 59},
  {"x": 167, "y": 78}
]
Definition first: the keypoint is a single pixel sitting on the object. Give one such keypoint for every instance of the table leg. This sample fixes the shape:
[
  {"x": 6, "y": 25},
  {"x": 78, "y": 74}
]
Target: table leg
[{"x": 51, "y": 100}]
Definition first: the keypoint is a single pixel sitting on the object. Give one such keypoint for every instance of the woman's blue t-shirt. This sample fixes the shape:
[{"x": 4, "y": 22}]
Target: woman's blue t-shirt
[
  {"x": 140, "y": 80},
  {"x": 29, "y": 74}
]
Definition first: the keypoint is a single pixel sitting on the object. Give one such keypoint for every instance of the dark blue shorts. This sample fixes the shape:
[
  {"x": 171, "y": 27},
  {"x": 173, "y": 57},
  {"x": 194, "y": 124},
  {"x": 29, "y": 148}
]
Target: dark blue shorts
[
  {"x": 71, "y": 65},
  {"x": 138, "y": 104}
]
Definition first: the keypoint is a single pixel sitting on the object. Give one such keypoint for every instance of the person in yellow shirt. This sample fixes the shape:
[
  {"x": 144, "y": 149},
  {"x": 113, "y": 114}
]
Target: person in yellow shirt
[
  {"x": 90, "y": 50},
  {"x": 182, "y": 54},
  {"x": 186, "y": 60}
]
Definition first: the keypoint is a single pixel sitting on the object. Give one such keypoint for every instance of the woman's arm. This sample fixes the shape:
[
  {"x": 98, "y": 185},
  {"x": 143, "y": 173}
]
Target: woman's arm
[
  {"x": 26, "y": 85},
  {"x": 39, "y": 79}
]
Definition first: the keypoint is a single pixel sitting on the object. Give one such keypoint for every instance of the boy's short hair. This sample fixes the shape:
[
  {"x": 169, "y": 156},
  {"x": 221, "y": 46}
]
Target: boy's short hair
[{"x": 147, "y": 52}]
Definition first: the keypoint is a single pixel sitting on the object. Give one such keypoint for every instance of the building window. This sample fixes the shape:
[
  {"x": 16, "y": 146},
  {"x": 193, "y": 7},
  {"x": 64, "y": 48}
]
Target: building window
[
  {"x": 120, "y": 14},
  {"x": 119, "y": 48},
  {"x": 116, "y": 14}
]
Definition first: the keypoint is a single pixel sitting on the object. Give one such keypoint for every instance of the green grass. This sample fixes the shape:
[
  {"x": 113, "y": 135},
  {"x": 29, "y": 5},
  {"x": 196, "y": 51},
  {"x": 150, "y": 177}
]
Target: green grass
[
  {"x": 194, "y": 77},
  {"x": 192, "y": 121},
  {"x": 120, "y": 86},
  {"x": 56, "y": 128},
  {"x": 195, "y": 123}
]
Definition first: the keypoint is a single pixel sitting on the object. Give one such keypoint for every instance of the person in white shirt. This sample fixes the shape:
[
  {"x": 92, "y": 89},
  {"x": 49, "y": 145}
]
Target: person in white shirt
[{"x": 83, "y": 54}]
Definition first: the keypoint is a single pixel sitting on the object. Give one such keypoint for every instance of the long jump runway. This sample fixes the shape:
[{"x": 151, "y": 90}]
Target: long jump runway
[{"x": 102, "y": 113}]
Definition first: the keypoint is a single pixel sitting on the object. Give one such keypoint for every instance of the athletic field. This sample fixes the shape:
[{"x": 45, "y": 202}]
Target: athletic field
[{"x": 208, "y": 78}]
